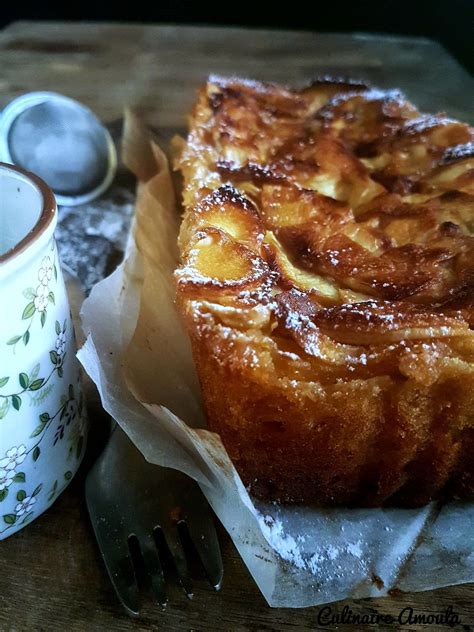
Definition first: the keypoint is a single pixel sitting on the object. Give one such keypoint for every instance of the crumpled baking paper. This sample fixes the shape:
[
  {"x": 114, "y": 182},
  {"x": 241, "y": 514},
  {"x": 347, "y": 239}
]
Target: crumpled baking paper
[{"x": 139, "y": 357}]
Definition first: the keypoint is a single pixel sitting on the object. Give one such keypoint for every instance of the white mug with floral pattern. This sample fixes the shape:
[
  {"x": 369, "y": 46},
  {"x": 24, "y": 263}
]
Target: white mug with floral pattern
[{"x": 42, "y": 421}]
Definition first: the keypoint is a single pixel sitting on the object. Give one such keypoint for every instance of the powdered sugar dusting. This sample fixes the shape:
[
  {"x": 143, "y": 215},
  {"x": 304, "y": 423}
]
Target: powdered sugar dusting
[
  {"x": 285, "y": 545},
  {"x": 329, "y": 559}
]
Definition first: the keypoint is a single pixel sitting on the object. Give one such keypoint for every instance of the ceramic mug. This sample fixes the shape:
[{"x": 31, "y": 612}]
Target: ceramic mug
[{"x": 42, "y": 418}]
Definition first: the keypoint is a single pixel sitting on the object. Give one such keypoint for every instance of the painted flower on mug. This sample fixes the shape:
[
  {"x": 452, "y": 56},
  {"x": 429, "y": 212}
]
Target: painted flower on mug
[
  {"x": 13, "y": 457},
  {"x": 24, "y": 505},
  {"x": 41, "y": 298},
  {"x": 38, "y": 300},
  {"x": 6, "y": 478},
  {"x": 45, "y": 273},
  {"x": 61, "y": 344}
]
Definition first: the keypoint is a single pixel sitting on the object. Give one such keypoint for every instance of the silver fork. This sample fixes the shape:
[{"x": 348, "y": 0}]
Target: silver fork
[{"x": 128, "y": 497}]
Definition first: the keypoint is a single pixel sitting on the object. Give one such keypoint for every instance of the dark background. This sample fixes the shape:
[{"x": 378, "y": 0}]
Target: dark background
[{"x": 449, "y": 21}]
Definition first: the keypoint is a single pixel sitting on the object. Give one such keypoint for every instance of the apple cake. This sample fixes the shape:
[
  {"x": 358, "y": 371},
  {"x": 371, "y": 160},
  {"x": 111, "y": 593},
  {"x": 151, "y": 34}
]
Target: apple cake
[{"x": 326, "y": 282}]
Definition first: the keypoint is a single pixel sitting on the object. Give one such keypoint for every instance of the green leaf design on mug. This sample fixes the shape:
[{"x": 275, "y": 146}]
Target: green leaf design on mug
[
  {"x": 29, "y": 292},
  {"x": 44, "y": 419},
  {"x": 36, "y": 385},
  {"x": 34, "y": 372},
  {"x": 24, "y": 380},
  {"x": 38, "y": 397},
  {"x": 53, "y": 491},
  {"x": 37, "y": 431},
  {"x": 29, "y": 310},
  {"x": 39, "y": 298},
  {"x": 27, "y": 517},
  {"x": 9, "y": 518},
  {"x": 19, "y": 477},
  {"x": 32, "y": 383},
  {"x": 4, "y": 406}
]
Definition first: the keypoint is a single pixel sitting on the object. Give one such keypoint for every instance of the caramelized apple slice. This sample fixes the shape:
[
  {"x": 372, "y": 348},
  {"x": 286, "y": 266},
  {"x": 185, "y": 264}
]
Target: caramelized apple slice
[
  {"x": 322, "y": 163},
  {"x": 250, "y": 119},
  {"x": 214, "y": 260},
  {"x": 320, "y": 90},
  {"x": 292, "y": 276},
  {"x": 289, "y": 206},
  {"x": 318, "y": 163},
  {"x": 365, "y": 323},
  {"x": 420, "y": 145},
  {"x": 231, "y": 212},
  {"x": 364, "y": 117},
  {"x": 456, "y": 208},
  {"x": 376, "y": 322},
  {"x": 459, "y": 175},
  {"x": 392, "y": 274}
]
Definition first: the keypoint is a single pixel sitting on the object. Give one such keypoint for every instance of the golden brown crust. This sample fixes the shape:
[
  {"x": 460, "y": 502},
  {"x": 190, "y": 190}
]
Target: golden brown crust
[{"x": 327, "y": 284}]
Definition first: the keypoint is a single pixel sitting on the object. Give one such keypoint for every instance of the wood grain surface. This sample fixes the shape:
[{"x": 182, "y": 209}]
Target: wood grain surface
[{"x": 51, "y": 574}]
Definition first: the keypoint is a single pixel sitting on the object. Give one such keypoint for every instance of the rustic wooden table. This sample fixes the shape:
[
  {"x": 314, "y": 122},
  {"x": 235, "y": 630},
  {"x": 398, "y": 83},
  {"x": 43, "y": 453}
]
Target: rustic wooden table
[{"x": 51, "y": 574}]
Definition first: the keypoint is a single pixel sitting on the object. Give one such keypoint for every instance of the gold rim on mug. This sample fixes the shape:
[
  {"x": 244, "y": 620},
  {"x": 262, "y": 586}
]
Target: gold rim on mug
[{"x": 47, "y": 215}]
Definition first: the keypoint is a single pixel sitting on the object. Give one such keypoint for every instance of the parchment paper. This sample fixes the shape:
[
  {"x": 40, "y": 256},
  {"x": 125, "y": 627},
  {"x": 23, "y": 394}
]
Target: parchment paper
[{"x": 139, "y": 357}]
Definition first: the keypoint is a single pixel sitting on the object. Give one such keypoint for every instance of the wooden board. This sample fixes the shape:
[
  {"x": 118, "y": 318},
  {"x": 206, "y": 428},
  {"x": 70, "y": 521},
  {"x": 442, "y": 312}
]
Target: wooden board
[
  {"x": 51, "y": 574},
  {"x": 109, "y": 66}
]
